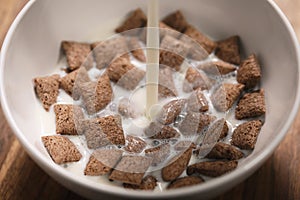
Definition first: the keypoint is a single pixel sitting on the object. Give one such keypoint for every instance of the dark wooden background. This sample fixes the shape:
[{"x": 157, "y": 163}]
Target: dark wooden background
[{"x": 21, "y": 178}]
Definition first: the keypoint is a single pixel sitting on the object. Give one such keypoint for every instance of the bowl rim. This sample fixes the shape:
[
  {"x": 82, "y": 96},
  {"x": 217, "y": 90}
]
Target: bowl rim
[{"x": 53, "y": 169}]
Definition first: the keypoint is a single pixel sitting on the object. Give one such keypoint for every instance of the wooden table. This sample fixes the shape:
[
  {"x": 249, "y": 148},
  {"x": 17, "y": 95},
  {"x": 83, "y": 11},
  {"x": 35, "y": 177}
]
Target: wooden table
[{"x": 21, "y": 178}]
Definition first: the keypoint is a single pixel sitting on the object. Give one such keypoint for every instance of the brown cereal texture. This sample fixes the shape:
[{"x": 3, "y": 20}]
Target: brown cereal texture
[
  {"x": 212, "y": 168},
  {"x": 97, "y": 95},
  {"x": 136, "y": 19},
  {"x": 70, "y": 82},
  {"x": 46, "y": 89},
  {"x": 224, "y": 131},
  {"x": 224, "y": 151},
  {"x": 157, "y": 130},
  {"x": 68, "y": 118},
  {"x": 217, "y": 67},
  {"x": 166, "y": 87},
  {"x": 194, "y": 80},
  {"x": 159, "y": 153},
  {"x": 136, "y": 49},
  {"x": 205, "y": 42},
  {"x": 134, "y": 144},
  {"x": 106, "y": 51},
  {"x": 185, "y": 182},
  {"x": 197, "y": 102},
  {"x": 124, "y": 73},
  {"x": 78, "y": 54},
  {"x": 103, "y": 131},
  {"x": 170, "y": 111},
  {"x": 102, "y": 161},
  {"x": 245, "y": 135},
  {"x": 228, "y": 50},
  {"x": 194, "y": 123},
  {"x": 176, "y": 20},
  {"x": 148, "y": 183},
  {"x": 225, "y": 96},
  {"x": 61, "y": 149},
  {"x": 131, "y": 169},
  {"x": 251, "y": 105},
  {"x": 249, "y": 72},
  {"x": 172, "y": 52},
  {"x": 176, "y": 166}
]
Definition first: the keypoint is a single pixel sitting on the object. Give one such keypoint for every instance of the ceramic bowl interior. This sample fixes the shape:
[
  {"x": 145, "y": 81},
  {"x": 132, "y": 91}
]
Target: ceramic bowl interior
[{"x": 32, "y": 49}]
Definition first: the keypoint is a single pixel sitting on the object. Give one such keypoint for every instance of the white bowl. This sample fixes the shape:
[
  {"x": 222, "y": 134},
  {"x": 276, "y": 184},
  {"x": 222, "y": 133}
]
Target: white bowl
[{"x": 31, "y": 49}]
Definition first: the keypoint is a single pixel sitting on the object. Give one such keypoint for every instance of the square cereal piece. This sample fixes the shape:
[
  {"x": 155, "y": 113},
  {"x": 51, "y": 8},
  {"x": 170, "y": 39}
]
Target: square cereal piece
[
  {"x": 78, "y": 54},
  {"x": 134, "y": 144},
  {"x": 176, "y": 20},
  {"x": 245, "y": 135},
  {"x": 156, "y": 130},
  {"x": 251, "y": 105},
  {"x": 170, "y": 111},
  {"x": 136, "y": 19},
  {"x": 195, "y": 79},
  {"x": 96, "y": 95},
  {"x": 217, "y": 67},
  {"x": 106, "y": 51},
  {"x": 158, "y": 154},
  {"x": 176, "y": 165},
  {"x": 166, "y": 87},
  {"x": 228, "y": 50},
  {"x": 249, "y": 72},
  {"x": 185, "y": 182},
  {"x": 212, "y": 168},
  {"x": 70, "y": 82},
  {"x": 225, "y": 96},
  {"x": 224, "y": 151},
  {"x": 68, "y": 119},
  {"x": 195, "y": 122},
  {"x": 196, "y": 51},
  {"x": 124, "y": 73},
  {"x": 103, "y": 131},
  {"x": 172, "y": 52},
  {"x": 136, "y": 49},
  {"x": 202, "y": 39},
  {"x": 102, "y": 161},
  {"x": 197, "y": 102},
  {"x": 148, "y": 183},
  {"x": 46, "y": 89},
  {"x": 131, "y": 169},
  {"x": 61, "y": 149}
]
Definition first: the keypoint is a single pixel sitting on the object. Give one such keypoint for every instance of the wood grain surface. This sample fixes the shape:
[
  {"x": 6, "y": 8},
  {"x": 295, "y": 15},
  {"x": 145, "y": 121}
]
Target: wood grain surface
[{"x": 21, "y": 178}]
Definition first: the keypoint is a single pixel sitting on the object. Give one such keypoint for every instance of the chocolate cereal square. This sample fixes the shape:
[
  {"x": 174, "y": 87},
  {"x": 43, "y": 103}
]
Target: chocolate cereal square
[
  {"x": 170, "y": 111},
  {"x": 249, "y": 72},
  {"x": 61, "y": 149},
  {"x": 156, "y": 130},
  {"x": 228, "y": 50},
  {"x": 166, "y": 87},
  {"x": 251, "y": 105},
  {"x": 185, "y": 182},
  {"x": 70, "y": 82},
  {"x": 106, "y": 51},
  {"x": 102, "y": 161},
  {"x": 136, "y": 19},
  {"x": 205, "y": 42},
  {"x": 124, "y": 73},
  {"x": 136, "y": 49},
  {"x": 224, "y": 151},
  {"x": 217, "y": 67},
  {"x": 212, "y": 168},
  {"x": 96, "y": 95},
  {"x": 197, "y": 102},
  {"x": 148, "y": 183},
  {"x": 176, "y": 166},
  {"x": 194, "y": 79},
  {"x": 131, "y": 169},
  {"x": 46, "y": 89},
  {"x": 78, "y": 54},
  {"x": 158, "y": 154},
  {"x": 134, "y": 144},
  {"x": 225, "y": 96},
  {"x": 172, "y": 52},
  {"x": 176, "y": 20},
  {"x": 245, "y": 135},
  {"x": 195, "y": 122},
  {"x": 68, "y": 119}
]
